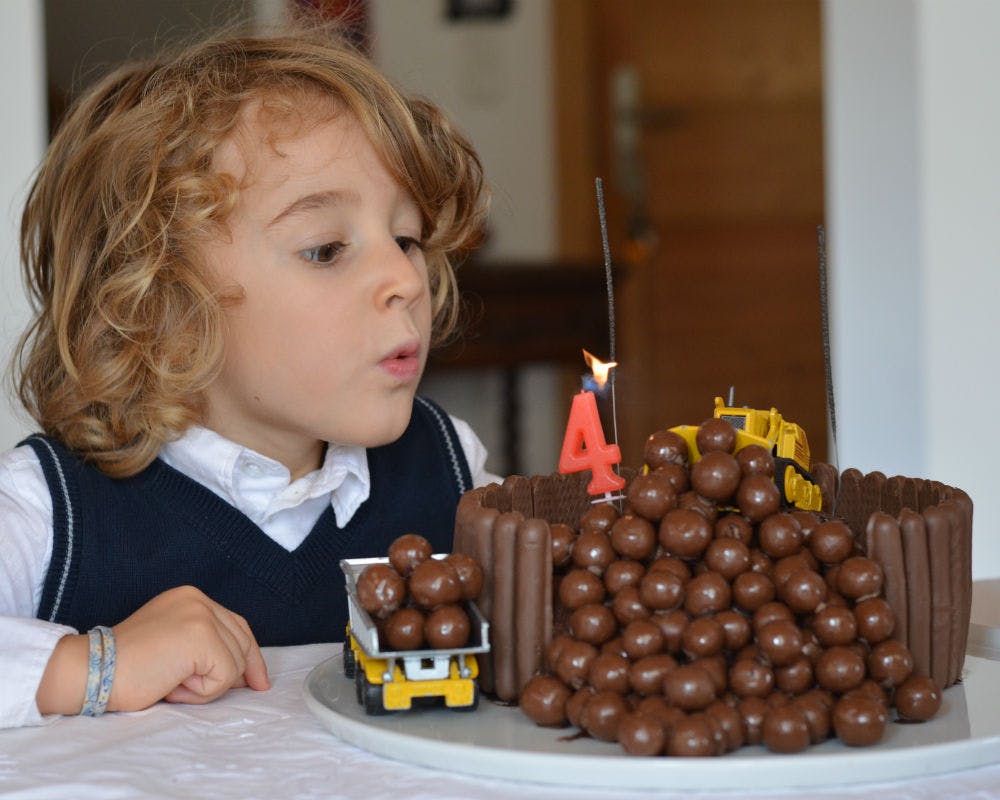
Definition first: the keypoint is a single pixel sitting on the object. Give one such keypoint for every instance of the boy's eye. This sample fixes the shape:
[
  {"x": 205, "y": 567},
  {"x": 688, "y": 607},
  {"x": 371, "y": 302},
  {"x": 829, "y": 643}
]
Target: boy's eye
[
  {"x": 324, "y": 253},
  {"x": 408, "y": 243}
]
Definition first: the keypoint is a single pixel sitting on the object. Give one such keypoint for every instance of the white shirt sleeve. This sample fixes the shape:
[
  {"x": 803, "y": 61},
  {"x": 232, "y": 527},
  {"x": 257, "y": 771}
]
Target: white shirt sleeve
[
  {"x": 475, "y": 453},
  {"x": 26, "y": 644}
]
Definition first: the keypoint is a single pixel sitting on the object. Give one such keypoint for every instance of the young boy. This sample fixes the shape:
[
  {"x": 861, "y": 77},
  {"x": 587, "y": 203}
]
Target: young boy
[{"x": 240, "y": 256}]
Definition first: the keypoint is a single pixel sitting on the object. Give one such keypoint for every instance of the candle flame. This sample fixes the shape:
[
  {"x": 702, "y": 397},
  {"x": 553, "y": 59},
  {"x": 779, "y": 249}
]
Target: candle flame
[{"x": 601, "y": 369}]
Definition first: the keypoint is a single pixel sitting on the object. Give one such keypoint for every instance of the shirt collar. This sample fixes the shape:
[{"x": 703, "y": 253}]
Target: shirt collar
[{"x": 260, "y": 486}]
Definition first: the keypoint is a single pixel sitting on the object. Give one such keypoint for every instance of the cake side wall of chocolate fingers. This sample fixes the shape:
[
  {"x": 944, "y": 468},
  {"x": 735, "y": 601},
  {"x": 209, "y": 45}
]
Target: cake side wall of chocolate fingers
[{"x": 934, "y": 524}]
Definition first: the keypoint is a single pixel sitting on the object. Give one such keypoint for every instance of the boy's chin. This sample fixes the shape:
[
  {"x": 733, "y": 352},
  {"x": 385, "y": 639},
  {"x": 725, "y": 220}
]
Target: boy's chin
[{"x": 384, "y": 431}]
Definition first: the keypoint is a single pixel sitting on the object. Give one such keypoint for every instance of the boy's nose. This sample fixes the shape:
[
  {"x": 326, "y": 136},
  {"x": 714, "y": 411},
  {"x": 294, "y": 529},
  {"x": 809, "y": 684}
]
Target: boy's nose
[{"x": 403, "y": 280}]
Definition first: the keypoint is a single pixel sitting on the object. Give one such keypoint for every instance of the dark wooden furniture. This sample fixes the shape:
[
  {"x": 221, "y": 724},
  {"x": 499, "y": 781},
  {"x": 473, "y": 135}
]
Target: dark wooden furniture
[{"x": 526, "y": 313}]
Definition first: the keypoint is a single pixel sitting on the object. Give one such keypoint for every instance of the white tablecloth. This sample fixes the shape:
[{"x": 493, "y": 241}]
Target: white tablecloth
[{"x": 267, "y": 745}]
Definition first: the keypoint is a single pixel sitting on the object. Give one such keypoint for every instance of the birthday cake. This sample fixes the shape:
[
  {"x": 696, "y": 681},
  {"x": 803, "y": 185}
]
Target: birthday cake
[{"x": 702, "y": 610}]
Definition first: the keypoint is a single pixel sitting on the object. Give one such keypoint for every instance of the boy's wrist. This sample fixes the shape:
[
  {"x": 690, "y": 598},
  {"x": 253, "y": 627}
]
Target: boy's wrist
[{"x": 64, "y": 681}]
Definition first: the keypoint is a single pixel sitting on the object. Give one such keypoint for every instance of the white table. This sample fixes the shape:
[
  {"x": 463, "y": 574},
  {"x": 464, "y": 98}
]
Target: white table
[{"x": 251, "y": 744}]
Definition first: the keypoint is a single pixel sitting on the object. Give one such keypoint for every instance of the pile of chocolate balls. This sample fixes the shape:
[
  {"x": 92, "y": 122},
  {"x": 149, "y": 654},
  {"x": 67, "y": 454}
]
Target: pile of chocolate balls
[
  {"x": 703, "y": 616},
  {"x": 417, "y": 601}
]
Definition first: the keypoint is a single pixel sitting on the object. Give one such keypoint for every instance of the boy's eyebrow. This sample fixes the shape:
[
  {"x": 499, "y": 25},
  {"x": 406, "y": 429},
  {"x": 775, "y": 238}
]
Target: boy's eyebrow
[{"x": 309, "y": 202}]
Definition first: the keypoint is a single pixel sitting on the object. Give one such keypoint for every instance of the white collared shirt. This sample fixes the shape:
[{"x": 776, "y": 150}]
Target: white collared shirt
[{"x": 255, "y": 484}]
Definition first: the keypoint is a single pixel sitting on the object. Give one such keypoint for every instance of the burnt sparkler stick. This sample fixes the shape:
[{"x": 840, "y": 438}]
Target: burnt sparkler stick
[{"x": 610, "y": 286}]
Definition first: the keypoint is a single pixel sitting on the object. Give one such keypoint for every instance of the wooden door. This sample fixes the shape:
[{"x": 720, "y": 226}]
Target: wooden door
[{"x": 705, "y": 119}]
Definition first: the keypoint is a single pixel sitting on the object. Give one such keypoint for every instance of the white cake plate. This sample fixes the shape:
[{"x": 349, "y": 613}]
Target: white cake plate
[{"x": 500, "y": 742}]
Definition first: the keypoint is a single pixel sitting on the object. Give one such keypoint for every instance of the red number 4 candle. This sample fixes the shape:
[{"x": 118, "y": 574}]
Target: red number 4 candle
[{"x": 584, "y": 446}]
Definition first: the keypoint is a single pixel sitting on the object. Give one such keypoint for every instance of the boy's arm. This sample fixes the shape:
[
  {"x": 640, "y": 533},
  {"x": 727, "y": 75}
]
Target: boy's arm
[
  {"x": 181, "y": 646},
  {"x": 26, "y": 648}
]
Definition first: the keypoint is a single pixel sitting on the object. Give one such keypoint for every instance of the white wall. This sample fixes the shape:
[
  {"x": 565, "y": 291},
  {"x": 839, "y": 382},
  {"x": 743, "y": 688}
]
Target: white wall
[
  {"x": 913, "y": 198},
  {"x": 494, "y": 79},
  {"x": 22, "y": 139}
]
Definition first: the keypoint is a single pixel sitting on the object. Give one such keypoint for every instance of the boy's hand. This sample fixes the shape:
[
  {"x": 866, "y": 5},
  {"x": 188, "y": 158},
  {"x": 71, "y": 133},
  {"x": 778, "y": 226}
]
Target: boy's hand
[
  {"x": 181, "y": 646},
  {"x": 185, "y": 648}
]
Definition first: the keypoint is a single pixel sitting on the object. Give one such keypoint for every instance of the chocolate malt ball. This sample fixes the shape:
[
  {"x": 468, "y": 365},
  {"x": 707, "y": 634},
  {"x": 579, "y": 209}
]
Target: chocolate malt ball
[
  {"x": 779, "y": 535},
  {"x": 543, "y": 700},
  {"x": 381, "y": 590},
  {"x": 859, "y": 577},
  {"x": 875, "y": 619},
  {"x": 665, "y": 447},
  {"x": 470, "y": 574},
  {"x": 593, "y": 551},
  {"x": 756, "y": 460},
  {"x": 692, "y": 736},
  {"x": 641, "y": 735},
  {"x": 917, "y": 698},
  {"x": 563, "y": 538},
  {"x": 642, "y": 637},
  {"x": 447, "y": 627},
  {"x": 599, "y": 517},
  {"x": 652, "y": 495},
  {"x": 623, "y": 573},
  {"x": 834, "y": 625},
  {"x": 758, "y": 497},
  {"x": 661, "y": 590},
  {"x": 890, "y": 663},
  {"x": 633, "y": 537},
  {"x": 831, "y": 542},
  {"x": 579, "y": 587},
  {"x": 407, "y": 551},
  {"x": 434, "y": 583},
  {"x": 715, "y": 435},
  {"x": 803, "y": 591},
  {"x": 627, "y": 606},
  {"x": 840, "y": 669},
  {"x": 707, "y": 593},
  {"x": 404, "y": 630},
  {"x": 645, "y": 675},
  {"x": 689, "y": 688},
  {"x": 727, "y": 556},
  {"x": 858, "y": 721},
  {"x": 781, "y": 641},
  {"x": 786, "y": 730},
  {"x": 602, "y": 714},
  {"x": 609, "y": 672},
  {"x": 678, "y": 476},
  {"x": 685, "y": 533},
  {"x": 716, "y": 476},
  {"x": 593, "y": 623},
  {"x": 573, "y": 663}
]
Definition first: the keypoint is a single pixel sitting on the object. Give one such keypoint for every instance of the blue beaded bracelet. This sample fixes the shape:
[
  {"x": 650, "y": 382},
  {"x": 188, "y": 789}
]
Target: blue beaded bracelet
[
  {"x": 93, "y": 674},
  {"x": 107, "y": 668},
  {"x": 100, "y": 671}
]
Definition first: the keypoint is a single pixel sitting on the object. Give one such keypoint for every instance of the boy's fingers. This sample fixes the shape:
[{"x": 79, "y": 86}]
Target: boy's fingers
[{"x": 253, "y": 669}]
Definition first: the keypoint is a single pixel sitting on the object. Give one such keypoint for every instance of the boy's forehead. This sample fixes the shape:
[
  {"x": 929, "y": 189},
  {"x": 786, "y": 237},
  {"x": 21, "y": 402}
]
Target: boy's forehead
[{"x": 265, "y": 130}]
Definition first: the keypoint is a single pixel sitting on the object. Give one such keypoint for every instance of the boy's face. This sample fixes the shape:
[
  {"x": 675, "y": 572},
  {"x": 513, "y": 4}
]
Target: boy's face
[{"x": 331, "y": 335}]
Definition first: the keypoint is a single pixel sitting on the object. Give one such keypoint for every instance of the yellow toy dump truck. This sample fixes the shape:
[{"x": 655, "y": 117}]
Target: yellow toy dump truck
[
  {"x": 391, "y": 680},
  {"x": 786, "y": 441}
]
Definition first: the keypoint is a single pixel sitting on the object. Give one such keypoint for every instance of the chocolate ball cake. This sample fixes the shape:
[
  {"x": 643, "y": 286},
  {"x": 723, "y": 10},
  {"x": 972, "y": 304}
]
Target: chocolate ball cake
[{"x": 701, "y": 602}]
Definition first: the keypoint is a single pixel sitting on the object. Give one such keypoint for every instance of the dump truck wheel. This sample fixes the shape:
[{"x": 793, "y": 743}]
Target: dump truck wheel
[
  {"x": 350, "y": 665},
  {"x": 359, "y": 685},
  {"x": 371, "y": 697}
]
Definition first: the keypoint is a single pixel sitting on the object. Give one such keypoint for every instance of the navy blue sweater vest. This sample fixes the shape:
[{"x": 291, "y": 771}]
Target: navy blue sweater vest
[{"x": 120, "y": 542}]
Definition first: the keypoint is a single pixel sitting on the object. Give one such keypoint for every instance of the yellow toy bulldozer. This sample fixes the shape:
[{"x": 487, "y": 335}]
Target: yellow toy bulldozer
[{"x": 786, "y": 441}]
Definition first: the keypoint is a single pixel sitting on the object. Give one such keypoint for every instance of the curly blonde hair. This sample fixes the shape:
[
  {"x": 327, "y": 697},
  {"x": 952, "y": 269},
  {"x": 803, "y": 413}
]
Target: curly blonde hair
[{"x": 127, "y": 326}]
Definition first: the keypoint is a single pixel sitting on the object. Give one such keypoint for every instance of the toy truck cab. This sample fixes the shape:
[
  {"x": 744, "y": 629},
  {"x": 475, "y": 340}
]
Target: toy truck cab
[
  {"x": 786, "y": 441},
  {"x": 388, "y": 681}
]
